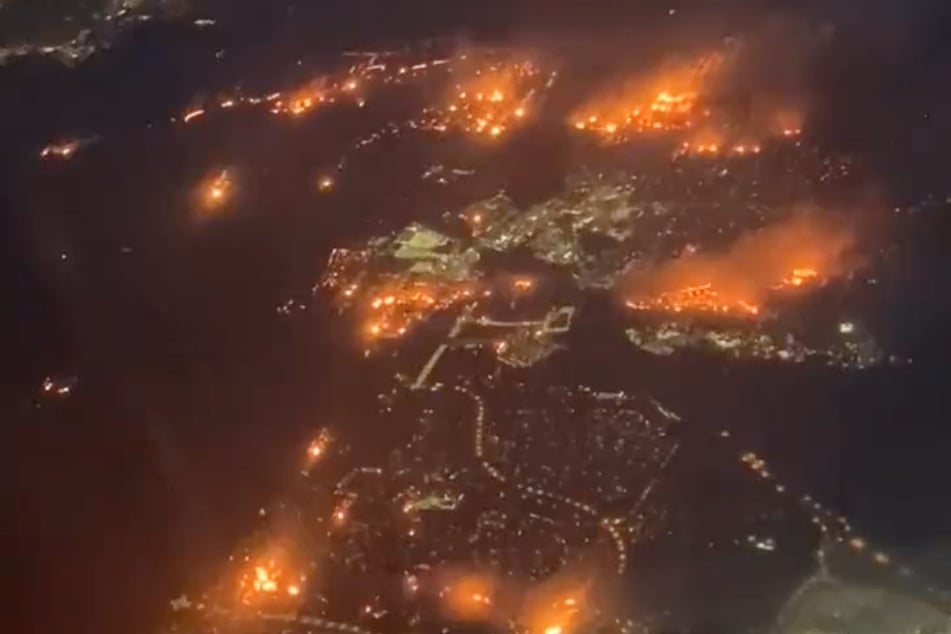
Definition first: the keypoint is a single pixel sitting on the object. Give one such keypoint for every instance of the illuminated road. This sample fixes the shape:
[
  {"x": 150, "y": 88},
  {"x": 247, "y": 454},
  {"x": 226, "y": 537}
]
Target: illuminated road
[
  {"x": 464, "y": 317},
  {"x": 485, "y": 321},
  {"x": 428, "y": 368},
  {"x": 303, "y": 619},
  {"x": 280, "y": 617},
  {"x": 612, "y": 526}
]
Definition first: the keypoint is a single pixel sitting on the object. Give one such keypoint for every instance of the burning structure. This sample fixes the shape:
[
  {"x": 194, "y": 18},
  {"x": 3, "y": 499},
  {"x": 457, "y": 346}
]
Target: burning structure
[
  {"x": 664, "y": 100},
  {"x": 802, "y": 251},
  {"x": 714, "y": 103},
  {"x": 489, "y": 98}
]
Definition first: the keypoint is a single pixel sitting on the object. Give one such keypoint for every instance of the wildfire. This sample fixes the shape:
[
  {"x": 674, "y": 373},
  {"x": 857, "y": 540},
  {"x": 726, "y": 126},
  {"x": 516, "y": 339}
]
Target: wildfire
[
  {"x": 318, "y": 446},
  {"x": 325, "y": 183},
  {"x": 342, "y": 511},
  {"x": 679, "y": 97},
  {"x": 702, "y": 298},
  {"x": 216, "y": 190},
  {"x": 392, "y": 309},
  {"x": 797, "y": 253},
  {"x": 557, "y": 606},
  {"x": 666, "y": 100},
  {"x": 798, "y": 277},
  {"x": 468, "y": 596},
  {"x": 324, "y": 90},
  {"x": 488, "y": 100},
  {"x": 523, "y": 284},
  {"x": 266, "y": 581}
]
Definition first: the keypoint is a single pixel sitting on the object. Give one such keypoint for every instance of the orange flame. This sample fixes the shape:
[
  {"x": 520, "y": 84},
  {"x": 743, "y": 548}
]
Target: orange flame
[{"x": 791, "y": 254}]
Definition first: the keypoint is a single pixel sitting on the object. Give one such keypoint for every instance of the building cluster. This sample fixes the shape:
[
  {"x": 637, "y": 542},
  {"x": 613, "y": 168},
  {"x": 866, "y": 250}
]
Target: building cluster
[{"x": 849, "y": 347}]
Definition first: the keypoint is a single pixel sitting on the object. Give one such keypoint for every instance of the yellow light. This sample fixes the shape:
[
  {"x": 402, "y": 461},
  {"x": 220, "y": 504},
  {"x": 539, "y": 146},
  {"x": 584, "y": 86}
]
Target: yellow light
[
  {"x": 520, "y": 112},
  {"x": 495, "y": 131},
  {"x": 553, "y": 629},
  {"x": 293, "y": 590}
]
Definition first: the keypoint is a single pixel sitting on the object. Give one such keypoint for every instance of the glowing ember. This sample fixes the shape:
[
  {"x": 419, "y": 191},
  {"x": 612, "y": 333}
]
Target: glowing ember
[
  {"x": 664, "y": 101},
  {"x": 393, "y": 308},
  {"x": 702, "y": 298},
  {"x": 523, "y": 284},
  {"x": 216, "y": 190},
  {"x": 325, "y": 183},
  {"x": 489, "y": 99},
  {"x": 318, "y": 447},
  {"x": 468, "y": 596},
  {"x": 265, "y": 581}
]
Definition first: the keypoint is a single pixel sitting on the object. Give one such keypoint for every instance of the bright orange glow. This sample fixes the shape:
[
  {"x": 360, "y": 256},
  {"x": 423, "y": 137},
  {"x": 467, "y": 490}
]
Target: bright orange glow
[
  {"x": 215, "y": 191},
  {"x": 392, "y": 308},
  {"x": 318, "y": 446},
  {"x": 701, "y": 298},
  {"x": 661, "y": 101},
  {"x": 801, "y": 251},
  {"x": 342, "y": 511},
  {"x": 523, "y": 284},
  {"x": 318, "y": 92},
  {"x": 468, "y": 596},
  {"x": 325, "y": 183},
  {"x": 560, "y": 605},
  {"x": 682, "y": 95},
  {"x": 266, "y": 580},
  {"x": 488, "y": 99}
]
